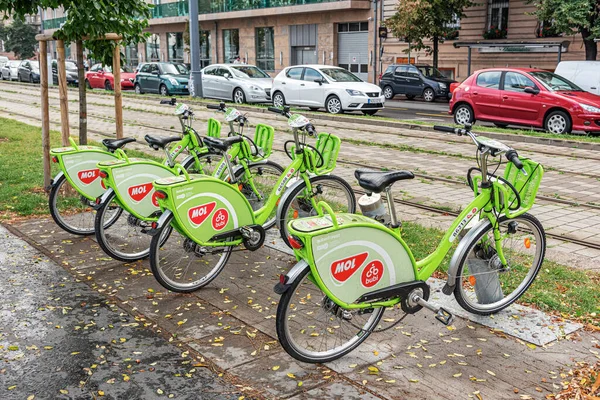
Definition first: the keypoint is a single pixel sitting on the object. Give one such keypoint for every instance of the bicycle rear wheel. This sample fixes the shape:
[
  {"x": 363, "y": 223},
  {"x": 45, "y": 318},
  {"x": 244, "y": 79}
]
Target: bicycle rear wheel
[
  {"x": 328, "y": 188},
  {"x": 312, "y": 328},
  {"x": 483, "y": 285}
]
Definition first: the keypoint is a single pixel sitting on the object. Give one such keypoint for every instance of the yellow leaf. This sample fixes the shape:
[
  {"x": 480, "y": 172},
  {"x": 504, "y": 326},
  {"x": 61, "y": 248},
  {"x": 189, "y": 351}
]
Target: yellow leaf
[
  {"x": 376, "y": 353},
  {"x": 391, "y": 381},
  {"x": 64, "y": 391},
  {"x": 413, "y": 380},
  {"x": 300, "y": 383},
  {"x": 275, "y": 368},
  {"x": 159, "y": 391},
  {"x": 353, "y": 365},
  {"x": 75, "y": 353},
  {"x": 126, "y": 377},
  {"x": 491, "y": 373},
  {"x": 253, "y": 353},
  {"x": 290, "y": 375},
  {"x": 241, "y": 397},
  {"x": 373, "y": 370},
  {"x": 100, "y": 393},
  {"x": 31, "y": 397},
  {"x": 457, "y": 375},
  {"x": 12, "y": 387},
  {"x": 122, "y": 340},
  {"x": 531, "y": 346}
]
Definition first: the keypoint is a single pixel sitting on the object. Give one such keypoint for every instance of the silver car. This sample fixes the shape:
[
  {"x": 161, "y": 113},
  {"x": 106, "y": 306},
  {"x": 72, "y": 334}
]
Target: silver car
[
  {"x": 11, "y": 70},
  {"x": 3, "y": 61},
  {"x": 240, "y": 83}
]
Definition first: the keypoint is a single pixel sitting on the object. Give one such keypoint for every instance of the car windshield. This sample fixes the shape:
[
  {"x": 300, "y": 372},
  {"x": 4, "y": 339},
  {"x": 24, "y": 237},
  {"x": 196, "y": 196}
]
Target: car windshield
[
  {"x": 430, "y": 72},
  {"x": 340, "y": 75},
  {"x": 71, "y": 66},
  {"x": 246, "y": 71},
  {"x": 35, "y": 64},
  {"x": 109, "y": 69},
  {"x": 554, "y": 82},
  {"x": 174, "y": 69}
]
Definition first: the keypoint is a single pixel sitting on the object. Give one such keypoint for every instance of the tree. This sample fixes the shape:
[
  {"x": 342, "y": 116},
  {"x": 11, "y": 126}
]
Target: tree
[
  {"x": 19, "y": 38},
  {"x": 573, "y": 16},
  {"x": 419, "y": 20}
]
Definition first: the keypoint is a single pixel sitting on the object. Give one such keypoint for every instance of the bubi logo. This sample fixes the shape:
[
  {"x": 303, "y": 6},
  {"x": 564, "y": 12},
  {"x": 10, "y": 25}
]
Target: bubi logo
[
  {"x": 220, "y": 219},
  {"x": 154, "y": 201},
  {"x": 139, "y": 192},
  {"x": 197, "y": 215},
  {"x": 372, "y": 274},
  {"x": 343, "y": 269},
  {"x": 88, "y": 176}
]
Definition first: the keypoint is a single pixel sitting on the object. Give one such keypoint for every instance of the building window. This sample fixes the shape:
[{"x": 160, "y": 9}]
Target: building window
[
  {"x": 353, "y": 27},
  {"x": 231, "y": 44},
  {"x": 497, "y": 15},
  {"x": 175, "y": 49},
  {"x": 265, "y": 48},
  {"x": 205, "y": 58},
  {"x": 131, "y": 55},
  {"x": 153, "y": 48}
]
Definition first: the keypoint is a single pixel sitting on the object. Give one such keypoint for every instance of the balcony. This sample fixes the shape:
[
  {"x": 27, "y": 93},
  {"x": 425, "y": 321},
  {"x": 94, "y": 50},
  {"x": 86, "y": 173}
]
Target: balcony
[{"x": 53, "y": 23}]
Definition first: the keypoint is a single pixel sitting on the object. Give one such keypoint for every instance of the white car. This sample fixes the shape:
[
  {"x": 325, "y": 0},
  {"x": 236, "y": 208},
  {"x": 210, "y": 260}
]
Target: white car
[
  {"x": 334, "y": 88},
  {"x": 240, "y": 83},
  {"x": 10, "y": 71}
]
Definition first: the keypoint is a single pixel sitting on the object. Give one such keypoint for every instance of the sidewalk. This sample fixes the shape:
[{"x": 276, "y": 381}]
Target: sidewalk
[{"x": 230, "y": 324}]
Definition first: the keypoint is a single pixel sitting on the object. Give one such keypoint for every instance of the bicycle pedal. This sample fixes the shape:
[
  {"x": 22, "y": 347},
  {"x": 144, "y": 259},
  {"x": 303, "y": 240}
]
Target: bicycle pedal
[{"x": 444, "y": 316}]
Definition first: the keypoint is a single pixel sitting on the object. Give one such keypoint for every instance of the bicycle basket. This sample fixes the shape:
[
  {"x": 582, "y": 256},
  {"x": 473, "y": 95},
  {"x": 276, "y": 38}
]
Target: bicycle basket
[
  {"x": 526, "y": 185},
  {"x": 329, "y": 147},
  {"x": 263, "y": 138},
  {"x": 214, "y": 128}
]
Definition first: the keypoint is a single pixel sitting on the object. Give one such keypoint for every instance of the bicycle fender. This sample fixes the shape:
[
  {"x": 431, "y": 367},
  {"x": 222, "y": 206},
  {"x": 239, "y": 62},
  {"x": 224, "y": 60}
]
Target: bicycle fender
[
  {"x": 460, "y": 252},
  {"x": 286, "y": 194},
  {"x": 291, "y": 277},
  {"x": 104, "y": 198},
  {"x": 56, "y": 178},
  {"x": 160, "y": 223}
]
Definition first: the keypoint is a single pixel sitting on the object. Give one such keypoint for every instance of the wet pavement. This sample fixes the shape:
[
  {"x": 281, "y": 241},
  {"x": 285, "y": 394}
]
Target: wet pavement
[{"x": 59, "y": 339}]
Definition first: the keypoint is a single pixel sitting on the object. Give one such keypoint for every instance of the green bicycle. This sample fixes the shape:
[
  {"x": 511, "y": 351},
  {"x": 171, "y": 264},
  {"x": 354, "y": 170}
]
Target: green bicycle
[
  {"x": 352, "y": 267},
  {"x": 205, "y": 218}
]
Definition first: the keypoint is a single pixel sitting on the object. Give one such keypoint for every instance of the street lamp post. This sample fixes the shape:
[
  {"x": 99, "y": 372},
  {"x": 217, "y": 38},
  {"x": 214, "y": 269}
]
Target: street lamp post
[{"x": 195, "y": 84}]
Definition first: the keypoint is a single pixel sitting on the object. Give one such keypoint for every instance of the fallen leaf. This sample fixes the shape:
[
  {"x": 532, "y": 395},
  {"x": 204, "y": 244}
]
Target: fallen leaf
[
  {"x": 275, "y": 368},
  {"x": 457, "y": 375},
  {"x": 491, "y": 373},
  {"x": 64, "y": 391},
  {"x": 100, "y": 393},
  {"x": 12, "y": 387},
  {"x": 290, "y": 375}
]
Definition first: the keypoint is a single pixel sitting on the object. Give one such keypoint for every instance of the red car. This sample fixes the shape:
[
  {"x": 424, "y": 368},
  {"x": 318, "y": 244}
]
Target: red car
[
  {"x": 526, "y": 96},
  {"x": 100, "y": 76}
]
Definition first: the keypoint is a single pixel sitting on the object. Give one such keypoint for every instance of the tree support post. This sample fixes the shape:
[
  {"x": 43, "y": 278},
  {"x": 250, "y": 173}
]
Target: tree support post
[
  {"x": 117, "y": 89},
  {"x": 45, "y": 114},
  {"x": 62, "y": 93},
  {"x": 82, "y": 95}
]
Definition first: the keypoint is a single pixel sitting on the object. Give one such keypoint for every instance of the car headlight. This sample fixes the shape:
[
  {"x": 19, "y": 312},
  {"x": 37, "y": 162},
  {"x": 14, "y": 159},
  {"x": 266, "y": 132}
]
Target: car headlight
[
  {"x": 589, "y": 108},
  {"x": 255, "y": 88},
  {"x": 174, "y": 81},
  {"x": 443, "y": 85},
  {"x": 354, "y": 92}
]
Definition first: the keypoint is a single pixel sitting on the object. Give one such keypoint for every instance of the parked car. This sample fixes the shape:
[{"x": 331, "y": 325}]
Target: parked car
[
  {"x": 240, "y": 83},
  {"x": 334, "y": 88},
  {"x": 70, "y": 68},
  {"x": 29, "y": 71},
  {"x": 100, "y": 76},
  {"x": 585, "y": 74},
  {"x": 162, "y": 77},
  {"x": 10, "y": 71},
  {"x": 415, "y": 81},
  {"x": 526, "y": 96},
  {"x": 3, "y": 61}
]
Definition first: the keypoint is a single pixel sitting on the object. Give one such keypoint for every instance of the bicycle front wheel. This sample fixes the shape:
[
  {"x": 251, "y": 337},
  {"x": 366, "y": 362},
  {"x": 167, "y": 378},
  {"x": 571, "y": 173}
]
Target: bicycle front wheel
[
  {"x": 328, "y": 188},
  {"x": 483, "y": 285},
  {"x": 313, "y": 329},
  {"x": 264, "y": 177},
  {"x": 181, "y": 265}
]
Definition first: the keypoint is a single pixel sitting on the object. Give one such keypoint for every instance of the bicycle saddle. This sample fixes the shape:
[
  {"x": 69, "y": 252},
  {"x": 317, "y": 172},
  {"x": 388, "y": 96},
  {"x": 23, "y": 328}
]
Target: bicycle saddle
[
  {"x": 222, "y": 143},
  {"x": 160, "y": 142},
  {"x": 376, "y": 181},
  {"x": 113, "y": 144}
]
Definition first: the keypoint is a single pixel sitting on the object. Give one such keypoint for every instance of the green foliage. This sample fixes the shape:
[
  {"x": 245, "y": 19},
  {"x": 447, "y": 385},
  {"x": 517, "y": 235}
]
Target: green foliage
[
  {"x": 94, "y": 19},
  {"x": 19, "y": 38}
]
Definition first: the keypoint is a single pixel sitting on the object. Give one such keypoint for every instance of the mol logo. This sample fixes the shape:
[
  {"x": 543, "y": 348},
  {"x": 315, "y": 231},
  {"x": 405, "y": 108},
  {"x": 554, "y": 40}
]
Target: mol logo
[
  {"x": 343, "y": 269},
  {"x": 220, "y": 219},
  {"x": 139, "y": 192},
  {"x": 197, "y": 215},
  {"x": 88, "y": 176},
  {"x": 372, "y": 274}
]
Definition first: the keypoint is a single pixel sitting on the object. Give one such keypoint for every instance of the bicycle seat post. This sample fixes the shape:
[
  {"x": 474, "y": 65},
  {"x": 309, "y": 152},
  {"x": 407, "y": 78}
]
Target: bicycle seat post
[{"x": 392, "y": 209}]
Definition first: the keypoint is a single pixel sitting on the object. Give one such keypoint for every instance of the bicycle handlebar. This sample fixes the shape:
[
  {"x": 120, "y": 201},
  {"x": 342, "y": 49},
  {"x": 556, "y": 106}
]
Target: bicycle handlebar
[
  {"x": 275, "y": 110},
  {"x": 213, "y": 107},
  {"x": 310, "y": 129},
  {"x": 513, "y": 157},
  {"x": 170, "y": 102}
]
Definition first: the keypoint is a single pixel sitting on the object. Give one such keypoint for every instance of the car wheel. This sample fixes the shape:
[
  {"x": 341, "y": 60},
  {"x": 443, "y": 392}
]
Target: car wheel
[
  {"x": 410, "y": 96},
  {"x": 278, "y": 100},
  {"x": 463, "y": 114},
  {"x": 238, "y": 96},
  {"x": 19, "y": 78},
  {"x": 388, "y": 92},
  {"x": 558, "y": 122},
  {"x": 138, "y": 89},
  {"x": 87, "y": 84},
  {"x": 499, "y": 125},
  {"x": 333, "y": 105},
  {"x": 370, "y": 112},
  {"x": 107, "y": 85},
  {"x": 163, "y": 90},
  {"x": 429, "y": 95}
]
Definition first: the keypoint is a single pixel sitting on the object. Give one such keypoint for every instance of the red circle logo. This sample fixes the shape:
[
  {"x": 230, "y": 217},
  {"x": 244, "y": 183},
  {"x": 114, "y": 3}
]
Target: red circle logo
[
  {"x": 372, "y": 274},
  {"x": 220, "y": 219},
  {"x": 154, "y": 200}
]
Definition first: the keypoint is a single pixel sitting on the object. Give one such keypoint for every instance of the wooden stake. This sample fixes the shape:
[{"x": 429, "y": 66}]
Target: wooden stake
[
  {"x": 45, "y": 115},
  {"x": 117, "y": 89},
  {"x": 62, "y": 93},
  {"x": 82, "y": 95}
]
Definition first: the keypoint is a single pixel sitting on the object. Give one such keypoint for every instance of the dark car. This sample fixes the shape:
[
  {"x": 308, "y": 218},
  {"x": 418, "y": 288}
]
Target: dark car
[
  {"x": 162, "y": 77},
  {"x": 415, "y": 81},
  {"x": 29, "y": 71},
  {"x": 70, "y": 67}
]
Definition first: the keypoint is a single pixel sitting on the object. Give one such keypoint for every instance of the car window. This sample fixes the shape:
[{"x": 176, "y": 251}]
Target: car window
[
  {"x": 311, "y": 74},
  {"x": 69, "y": 65},
  {"x": 294, "y": 73},
  {"x": 24, "y": 64},
  {"x": 54, "y": 64},
  {"x": 249, "y": 71},
  {"x": 146, "y": 69},
  {"x": 340, "y": 75},
  {"x": 490, "y": 79},
  {"x": 515, "y": 82},
  {"x": 96, "y": 67},
  {"x": 412, "y": 72},
  {"x": 555, "y": 82},
  {"x": 400, "y": 71},
  {"x": 154, "y": 68},
  {"x": 209, "y": 71}
]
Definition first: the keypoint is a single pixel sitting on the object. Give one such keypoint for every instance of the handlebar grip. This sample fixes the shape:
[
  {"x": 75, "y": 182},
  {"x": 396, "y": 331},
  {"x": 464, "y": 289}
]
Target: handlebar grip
[
  {"x": 444, "y": 129},
  {"x": 165, "y": 102},
  {"x": 213, "y": 106},
  {"x": 513, "y": 157},
  {"x": 310, "y": 129},
  {"x": 275, "y": 110}
]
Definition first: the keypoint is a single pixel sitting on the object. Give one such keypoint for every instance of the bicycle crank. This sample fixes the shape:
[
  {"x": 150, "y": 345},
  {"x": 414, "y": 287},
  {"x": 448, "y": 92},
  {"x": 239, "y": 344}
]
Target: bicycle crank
[{"x": 441, "y": 314}]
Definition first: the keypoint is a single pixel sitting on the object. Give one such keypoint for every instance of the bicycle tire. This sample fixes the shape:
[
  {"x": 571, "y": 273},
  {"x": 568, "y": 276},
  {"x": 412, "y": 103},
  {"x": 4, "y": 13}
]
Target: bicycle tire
[{"x": 462, "y": 286}]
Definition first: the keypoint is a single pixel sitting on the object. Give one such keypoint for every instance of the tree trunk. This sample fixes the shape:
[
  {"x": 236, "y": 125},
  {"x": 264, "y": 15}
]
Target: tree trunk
[
  {"x": 82, "y": 95},
  {"x": 436, "y": 41}
]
